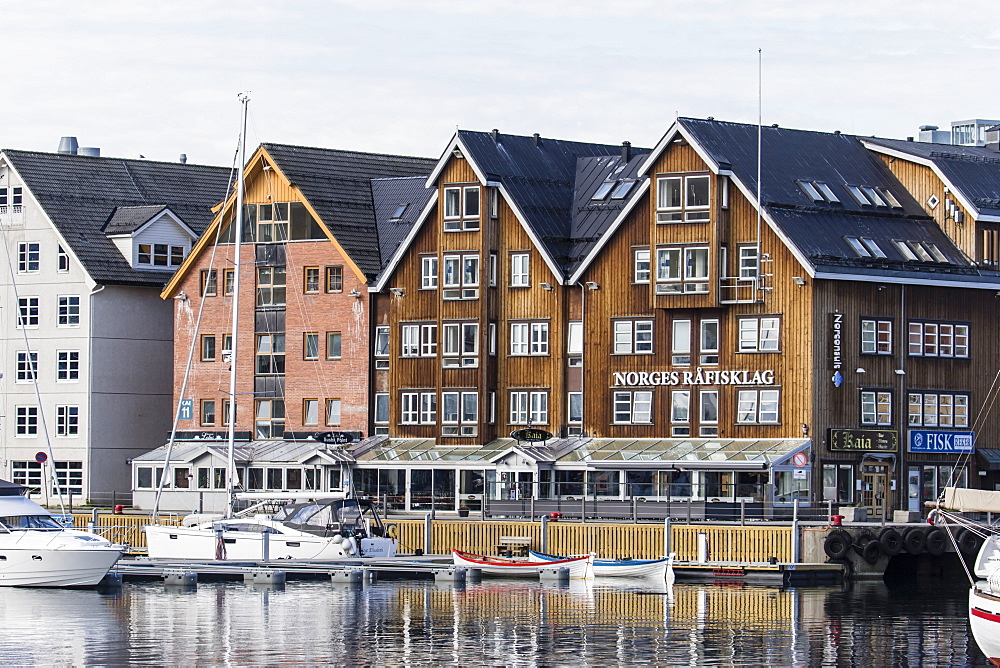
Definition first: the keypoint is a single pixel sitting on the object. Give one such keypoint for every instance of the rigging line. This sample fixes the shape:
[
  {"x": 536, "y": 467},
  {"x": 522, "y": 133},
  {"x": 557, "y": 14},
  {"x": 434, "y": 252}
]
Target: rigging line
[
  {"x": 194, "y": 344},
  {"x": 965, "y": 458},
  {"x": 34, "y": 377}
]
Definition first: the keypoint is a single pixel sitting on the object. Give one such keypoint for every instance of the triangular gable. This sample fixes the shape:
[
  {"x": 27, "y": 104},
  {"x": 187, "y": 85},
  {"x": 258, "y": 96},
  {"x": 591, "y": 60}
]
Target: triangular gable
[{"x": 150, "y": 221}]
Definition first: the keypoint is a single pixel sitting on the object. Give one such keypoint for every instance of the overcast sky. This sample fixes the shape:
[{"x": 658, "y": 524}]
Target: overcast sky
[{"x": 398, "y": 76}]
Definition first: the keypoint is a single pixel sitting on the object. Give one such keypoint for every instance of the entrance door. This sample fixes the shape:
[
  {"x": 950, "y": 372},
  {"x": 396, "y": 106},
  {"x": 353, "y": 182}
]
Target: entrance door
[{"x": 874, "y": 486}]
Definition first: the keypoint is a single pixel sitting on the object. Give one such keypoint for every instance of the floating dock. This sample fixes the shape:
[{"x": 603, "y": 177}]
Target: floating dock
[{"x": 759, "y": 573}]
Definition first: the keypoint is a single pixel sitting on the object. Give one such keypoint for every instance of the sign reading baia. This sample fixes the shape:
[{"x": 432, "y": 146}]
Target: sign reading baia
[{"x": 698, "y": 377}]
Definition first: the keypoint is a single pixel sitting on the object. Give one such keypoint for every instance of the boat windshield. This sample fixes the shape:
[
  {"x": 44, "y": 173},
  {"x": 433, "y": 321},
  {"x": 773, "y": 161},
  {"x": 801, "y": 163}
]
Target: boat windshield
[{"x": 25, "y": 522}]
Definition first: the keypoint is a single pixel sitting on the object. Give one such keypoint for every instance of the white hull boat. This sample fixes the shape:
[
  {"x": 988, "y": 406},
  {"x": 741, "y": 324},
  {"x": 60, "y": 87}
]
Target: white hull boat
[
  {"x": 659, "y": 569},
  {"x": 36, "y": 551},
  {"x": 579, "y": 567},
  {"x": 327, "y": 530},
  {"x": 984, "y": 618}
]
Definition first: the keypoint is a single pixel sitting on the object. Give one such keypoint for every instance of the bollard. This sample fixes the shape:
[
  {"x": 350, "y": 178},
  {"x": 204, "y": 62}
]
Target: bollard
[
  {"x": 545, "y": 533},
  {"x": 796, "y": 541},
  {"x": 667, "y": 538},
  {"x": 703, "y": 548},
  {"x": 266, "y": 536},
  {"x": 177, "y": 578},
  {"x": 265, "y": 576},
  {"x": 557, "y": 573},
  {"x": 427, "y": 533}
]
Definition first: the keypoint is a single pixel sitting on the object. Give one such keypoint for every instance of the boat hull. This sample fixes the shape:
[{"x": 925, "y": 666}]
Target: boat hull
[
  {"x": 579, "y": 567},
  {"x": 55, "y": 559},
  {"x": 661, "y": 569},
  {"x": 202, "y": 544},
  {"x": 984, "y": 618}
]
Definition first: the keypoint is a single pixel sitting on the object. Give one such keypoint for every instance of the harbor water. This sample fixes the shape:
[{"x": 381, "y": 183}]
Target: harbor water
[{"x": 490, "y": 623}]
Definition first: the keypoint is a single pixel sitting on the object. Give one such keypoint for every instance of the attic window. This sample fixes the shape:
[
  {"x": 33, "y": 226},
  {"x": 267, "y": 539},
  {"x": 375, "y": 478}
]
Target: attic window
[
  {"x": 827, "y": 192},
  {"x": 873, "y": 247},
  {"x": 871, "y": 196},
  {"x": 859, "y": 196},
  {"x": 603, "y": 191},
  {"x": 623, "y": 189},
  {"x": 904, "y": 250},
  {"x": 818, "y": 191},
  {"x": 917, "y": 251},
  {"x": 858, "y": 247},
  {"x": 889, "y": 197},
  {"x": 811, "y": 191},
  {"x": 936, "y": 252},
  {"x": 400, "y": 210}
]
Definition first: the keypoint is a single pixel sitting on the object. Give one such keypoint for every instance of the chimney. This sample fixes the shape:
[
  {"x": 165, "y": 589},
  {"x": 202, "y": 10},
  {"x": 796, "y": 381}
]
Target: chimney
[
  {"x": 68, "y": 146},
  {"x": 626, "y": 151},
  {"x": 496, "y": 135},
  {"x": 92, "y": 151},
  {"x": 184, "y": 158},
  {"x": 537, "y": 138}
]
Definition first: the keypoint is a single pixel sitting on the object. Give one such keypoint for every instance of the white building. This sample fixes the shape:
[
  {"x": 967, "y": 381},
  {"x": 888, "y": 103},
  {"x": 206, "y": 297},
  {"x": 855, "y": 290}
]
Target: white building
[{"x": 90, "y": 241}]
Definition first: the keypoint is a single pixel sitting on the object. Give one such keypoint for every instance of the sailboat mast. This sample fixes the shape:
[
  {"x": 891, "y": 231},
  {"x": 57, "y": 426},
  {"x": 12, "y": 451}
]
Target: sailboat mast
[{"x": 237, "y": 242}]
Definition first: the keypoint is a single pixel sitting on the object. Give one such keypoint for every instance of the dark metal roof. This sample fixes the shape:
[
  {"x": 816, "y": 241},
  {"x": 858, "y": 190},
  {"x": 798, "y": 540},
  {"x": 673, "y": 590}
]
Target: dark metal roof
[
  {"x": 972, "y": 170},
  {"x": 540, "y": 175},
  {"x": 80, "y": 194},
  {"x": 338, "y": 186},
  {"x": 127, "y": 219},
  {"x": 818, "y": 230},
  {"x": 989, "y": 458},
  {"x": 389, "y": 195}
]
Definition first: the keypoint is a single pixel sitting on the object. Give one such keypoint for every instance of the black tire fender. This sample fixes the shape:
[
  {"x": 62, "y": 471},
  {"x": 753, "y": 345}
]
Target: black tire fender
[
  {"x": 871, "y": 551},
  {"x": 848, "y": 566},
  {"x": 891, "y": 541},
  {"x": 968, "y": 541},
  {"x": 862, "y": 538},
  {"x": 914, "y": 539},
  {"x": 936, "y": 542},
  {"x": 837, "y": 543}
]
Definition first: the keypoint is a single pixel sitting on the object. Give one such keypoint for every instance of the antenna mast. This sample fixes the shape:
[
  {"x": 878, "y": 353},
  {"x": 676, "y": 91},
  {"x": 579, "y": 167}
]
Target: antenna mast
[{"x": 760, "y": 203}]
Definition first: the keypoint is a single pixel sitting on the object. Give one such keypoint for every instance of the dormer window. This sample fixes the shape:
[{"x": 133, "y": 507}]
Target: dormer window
[
  {"x": 461, "y": 208},
  {"x": 160, "y": 255}
]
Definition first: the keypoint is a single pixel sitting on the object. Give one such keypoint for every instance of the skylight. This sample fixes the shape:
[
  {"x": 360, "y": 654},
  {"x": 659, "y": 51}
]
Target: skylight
[
  {"x": 623, "y": 189},
  {"x": 889, "y": 197},
  {"x": 873, "y": 196},
  {"x": 812, "y": 191},
  {"x": 917, "y": 251},
  {"x": 858, "y": 247},
  {"x": 819, "y": 191},
  {"x": 400, "y": 210},
  {"x": 921, "y": 252},
  {"x": 904, "y": 250},
  {"x": 603, "y": 191},
  {"x": 873, "y": 247},
  {"x": 936, "y": 252},
  {"x": 859, "y": 196},
  {"x": 827, "y": 192}
]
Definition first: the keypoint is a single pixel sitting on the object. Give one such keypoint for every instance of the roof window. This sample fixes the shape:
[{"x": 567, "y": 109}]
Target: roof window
[
  {"x": 917, "y": 251},
  {"x": 872, "y": 196},
  {"x": 819, "y": 191},
  {"x": 873, "y": 247},
  {"x": 603, "y": 191},
  {"x": 623, "y": 189},
  {"x": 400, "y": 210},
  {"x": 858, "y": 247}
]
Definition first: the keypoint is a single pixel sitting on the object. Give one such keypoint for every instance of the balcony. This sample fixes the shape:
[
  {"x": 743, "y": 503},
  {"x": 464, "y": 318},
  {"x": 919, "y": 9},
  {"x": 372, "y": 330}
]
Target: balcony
[
  {"x": 12, "y": 217},
  {"x": 736, "y": 290}
]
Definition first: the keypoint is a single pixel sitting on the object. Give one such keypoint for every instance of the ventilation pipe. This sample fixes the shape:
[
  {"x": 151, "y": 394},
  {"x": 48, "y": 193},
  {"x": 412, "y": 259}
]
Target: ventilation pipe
[
  {"x": 68, "y": 146},
  {"x": 92, "y": 151},
  {"x": 184, "y": 158}
]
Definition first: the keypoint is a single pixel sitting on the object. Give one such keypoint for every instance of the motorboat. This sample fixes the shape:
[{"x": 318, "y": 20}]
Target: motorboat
[
  {"x": 38, "y": 551},
  {"x": 579, "y": 567},
  {"x": 661, "y": 569},
  {"x": 328, "y": 529}
]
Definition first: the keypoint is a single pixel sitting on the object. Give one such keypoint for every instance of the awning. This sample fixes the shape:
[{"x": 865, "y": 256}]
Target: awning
[
  {"x": 712, "y": 454},
  {"x": 989, "y": 458}
]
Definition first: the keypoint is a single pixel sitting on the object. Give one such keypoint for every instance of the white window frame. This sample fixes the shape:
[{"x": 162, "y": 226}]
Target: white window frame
[
  {"x": 428, "y": 340},
  {"x": 62, "y": 260},
  {"x": 461, "y": 208},
  {"x": 429, "y": 272},
  {"x": 26, "y": 421},
  {"x": 67, "y": 311},
  {"x": 460, "y": 344},
  {"x": 26, "y": 366},
  {"x": 876, "y": 336},
  {"x": 574, "y": 408},
  {"x": 709, "y": 354},
  {"x": 642, "y": 268},
  {"x": 632, "y": 406},
  {"x": 410, "y": 341},
  {"x": 876, "y": 407},
  {"x": 67, "y": 421},
  {"x": 27, "y": 312},
  {"x": 28, "y": 257},
  {"x": 381, "y": 412},
  {"x": 683, "y": 269},
  {"x": 939, "y": 410},
  {"x": 759, "y": 334},
  {"x": 68, "y": 364},
  {"x": 461, "y": 276},
  {"x": 632, "y": 337},
  {"x": 382, "y": 341},
  {"x": 932, "y": 338},
  {"x": 683, "y": 210},
  {"x": 520, "y": 270},
  {"x": 409, "y": 408},
  {"x": 428, "y": 407},
  {"x": 574, "y": 337},
  {"x": 754, "y": 406},
  {"x": 708, "y": 423},
  {"x": 748, "y": 263},
  {"x": 680, "y": 342}
]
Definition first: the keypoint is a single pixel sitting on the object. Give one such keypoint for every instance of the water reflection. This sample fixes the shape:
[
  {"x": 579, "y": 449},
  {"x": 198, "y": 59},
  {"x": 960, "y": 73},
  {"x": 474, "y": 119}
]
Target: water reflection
[{"x": 496, "y": 622}]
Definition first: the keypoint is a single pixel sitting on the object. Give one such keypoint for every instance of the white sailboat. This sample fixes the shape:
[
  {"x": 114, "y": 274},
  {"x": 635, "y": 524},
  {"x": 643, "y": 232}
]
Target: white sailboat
[
  {"x": 316, "y": 526},
  {"x": 37, "y": 551}
]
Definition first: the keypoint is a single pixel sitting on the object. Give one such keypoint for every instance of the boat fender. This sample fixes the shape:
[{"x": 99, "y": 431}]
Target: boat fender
[
  {"x": 871, "y": 551},
  {"x": 393, "y": 532},
  {"x": 936, "y": 542},
  {"x": 848, "y": 566},
  {"x": 914, "y": 540},
  {"x": 837, "y": 543},
  {"x": 891, "y": 541},
  {"x": 337, "y": 539},
  {"x": 968, "y": 541},
  {"x": 862, "y": 539},
  {"x": 350, "y": 546}
]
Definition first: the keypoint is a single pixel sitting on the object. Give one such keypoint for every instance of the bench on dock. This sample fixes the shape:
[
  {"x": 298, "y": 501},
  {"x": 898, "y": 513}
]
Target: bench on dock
[{"x": 517, "y": 545}]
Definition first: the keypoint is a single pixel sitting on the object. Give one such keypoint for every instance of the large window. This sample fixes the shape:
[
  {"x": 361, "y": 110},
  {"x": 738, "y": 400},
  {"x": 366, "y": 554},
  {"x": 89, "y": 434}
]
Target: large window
[
  {"x": 760, "y": 334},
  {"x": 29, "y": 474},
  {"x": 529, "y": 407},
  {"x": 460, "y": 344},
  {"x": 938, "y": 339},
  {"x": 946, "y": 410},
  {"x": 67, "y": 420},
  {"x": 633, "y": 337},
  {"x": 633, "y": 407},
  {"x": 27, "y": 311},
  {"x": 876, "y": 407},
  {"x": 461, "y": 277},
  {"x": 69, "y": 478},
  {"x": 160, "y": 255},
  {"x": 838, "y": 482},
  {"x": 758, "y": 406},
  {"x": 876, "y": 337},
  {"x": 270, "y": 353},
  {"x": 682, "y": 269},
  {"x": 529, "y": 338},
  {"x": 459, "y": 413},
  {"x": 68, "y": 314},
  {"x": 417, "y": 407},
  {"x": 269, "y": 419},
  {"x": 68, "y": 365},
  {"x": 26, "y": 420},
  {"x": 28, "y": 255},
  {"x": 682, "y": 198},
  {"x": 270, "y": 286},
  {"x": 419, "y": 340},
  {"x": 27, "y": 366},
  {"x": 461, "y": 208}
]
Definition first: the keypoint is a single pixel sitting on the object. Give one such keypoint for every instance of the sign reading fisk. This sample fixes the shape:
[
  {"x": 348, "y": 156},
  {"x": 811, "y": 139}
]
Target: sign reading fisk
[{"x": 698, "y": 377}]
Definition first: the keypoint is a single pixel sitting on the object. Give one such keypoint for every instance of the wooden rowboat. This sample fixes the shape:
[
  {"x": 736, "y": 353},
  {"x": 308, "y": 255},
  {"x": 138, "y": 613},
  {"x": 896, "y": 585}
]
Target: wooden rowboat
[
  {"x": 661, "y": 569},
  {"x": 579, "y": 567}
]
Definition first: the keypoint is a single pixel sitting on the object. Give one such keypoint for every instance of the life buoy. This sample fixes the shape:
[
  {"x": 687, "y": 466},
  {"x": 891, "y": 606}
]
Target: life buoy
[
  {"x": 392, "y": 532},
  {"x": 891, "y": 541},
  {"x": 837, "y": 543},
  {"x": 914, "y": 540},
  {"x": 968, "y": 541},
  {"x": 936, "y": 541},
  {"x": 871, "y": 551}
]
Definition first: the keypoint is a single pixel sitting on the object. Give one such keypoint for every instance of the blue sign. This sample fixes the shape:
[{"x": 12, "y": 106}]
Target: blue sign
[
  {"x": 941, "y": 441},
  {"x": 186, "y": 411}
]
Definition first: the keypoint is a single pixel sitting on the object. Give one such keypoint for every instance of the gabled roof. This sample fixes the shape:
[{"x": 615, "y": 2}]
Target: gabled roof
[
  {"x": 337, "y": 184},
  {"x": 128, "y": 219},
  {"x": 398, "y": 205},
  {"x": 971, "y": 172},
  {"x": 80, "y": 194},
  {"x": 817, "y": 232}
]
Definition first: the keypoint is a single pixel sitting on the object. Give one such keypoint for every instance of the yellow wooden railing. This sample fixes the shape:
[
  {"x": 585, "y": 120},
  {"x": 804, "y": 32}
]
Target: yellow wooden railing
[{"x": 607, "y": 541}]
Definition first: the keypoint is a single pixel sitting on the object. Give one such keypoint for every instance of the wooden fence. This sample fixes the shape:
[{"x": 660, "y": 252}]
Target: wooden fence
[{"x": 607, "y": 541}]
